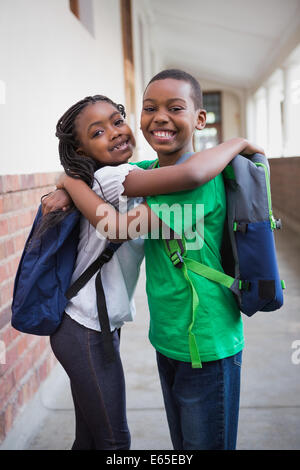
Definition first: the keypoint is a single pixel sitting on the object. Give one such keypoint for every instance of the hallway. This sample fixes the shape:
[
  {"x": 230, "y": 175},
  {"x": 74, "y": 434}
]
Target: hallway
[{"x": 270, "y": 400}]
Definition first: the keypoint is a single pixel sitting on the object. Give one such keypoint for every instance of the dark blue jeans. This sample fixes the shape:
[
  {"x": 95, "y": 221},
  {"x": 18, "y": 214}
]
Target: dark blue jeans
[
  {"x": 98, "y": 387},
  {"x": 202, "y": 405}
]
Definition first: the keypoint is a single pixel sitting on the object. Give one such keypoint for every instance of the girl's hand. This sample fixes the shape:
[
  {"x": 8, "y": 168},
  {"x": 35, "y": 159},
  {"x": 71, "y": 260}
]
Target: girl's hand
[
  {"x": 58, "y": 200},
  {"x": 250, "y": 149}
]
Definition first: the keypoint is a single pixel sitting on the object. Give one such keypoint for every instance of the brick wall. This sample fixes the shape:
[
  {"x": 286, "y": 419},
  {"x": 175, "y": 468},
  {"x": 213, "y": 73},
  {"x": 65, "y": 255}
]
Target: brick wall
[
  {"x": 285, "y": 187},
  {"x": 25, "y": 360}
]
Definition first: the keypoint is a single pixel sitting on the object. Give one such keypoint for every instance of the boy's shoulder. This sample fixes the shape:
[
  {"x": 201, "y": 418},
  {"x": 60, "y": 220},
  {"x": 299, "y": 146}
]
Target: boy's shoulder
[{"x": 144, "y": 164}]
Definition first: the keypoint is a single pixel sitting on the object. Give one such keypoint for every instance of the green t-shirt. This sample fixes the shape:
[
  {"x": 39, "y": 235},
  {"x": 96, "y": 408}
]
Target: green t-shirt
[{"x": 218, "y": 327}]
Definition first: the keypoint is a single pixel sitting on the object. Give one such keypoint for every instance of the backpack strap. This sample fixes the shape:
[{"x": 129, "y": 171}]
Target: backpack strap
[
  {"x": 176, "y": 250},
  {"x": 73, "y": 290}
]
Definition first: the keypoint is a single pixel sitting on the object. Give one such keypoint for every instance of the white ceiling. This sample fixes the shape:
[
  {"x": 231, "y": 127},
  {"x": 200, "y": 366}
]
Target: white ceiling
[{"x": 229, "y": 41}]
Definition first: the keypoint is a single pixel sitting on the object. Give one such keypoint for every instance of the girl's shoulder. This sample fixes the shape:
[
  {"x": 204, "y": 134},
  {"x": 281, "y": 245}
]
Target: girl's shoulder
[
  {"x": 113, "y": 171},
  {"x": 108, "y": 182}
]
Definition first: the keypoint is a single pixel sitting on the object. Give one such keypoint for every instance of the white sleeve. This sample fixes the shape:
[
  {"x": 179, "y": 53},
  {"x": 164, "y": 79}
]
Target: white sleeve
[{"x": 108, "y": 185}]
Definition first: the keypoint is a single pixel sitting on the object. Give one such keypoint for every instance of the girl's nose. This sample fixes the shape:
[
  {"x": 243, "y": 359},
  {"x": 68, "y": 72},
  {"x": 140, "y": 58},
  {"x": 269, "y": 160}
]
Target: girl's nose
[{"x": 114, "y": 133}]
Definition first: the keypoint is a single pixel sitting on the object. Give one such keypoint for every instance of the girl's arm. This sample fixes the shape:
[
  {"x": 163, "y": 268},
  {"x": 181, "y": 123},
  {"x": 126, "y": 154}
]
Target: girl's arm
[
  {"x": 197, "y": 170},
  {"x": 141, "y": 220},
  {"x": 110, "y": 223}
]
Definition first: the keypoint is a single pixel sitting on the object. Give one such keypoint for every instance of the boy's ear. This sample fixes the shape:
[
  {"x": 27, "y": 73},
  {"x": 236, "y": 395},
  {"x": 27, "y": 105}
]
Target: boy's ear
[{"x": 201, "y": 119}]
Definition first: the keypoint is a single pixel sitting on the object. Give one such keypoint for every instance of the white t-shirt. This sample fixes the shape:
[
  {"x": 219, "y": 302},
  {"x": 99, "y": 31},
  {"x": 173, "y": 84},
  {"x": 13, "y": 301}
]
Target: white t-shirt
[{"x": 119, "y": 276}]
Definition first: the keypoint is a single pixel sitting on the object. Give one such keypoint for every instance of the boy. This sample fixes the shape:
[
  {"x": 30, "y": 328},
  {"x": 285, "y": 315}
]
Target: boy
[{"x": 202, "y": 403}]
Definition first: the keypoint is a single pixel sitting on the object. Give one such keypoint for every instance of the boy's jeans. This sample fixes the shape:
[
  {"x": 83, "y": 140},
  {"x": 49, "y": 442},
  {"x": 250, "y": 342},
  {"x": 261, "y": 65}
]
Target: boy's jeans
[{"x": 202, "y": 405}]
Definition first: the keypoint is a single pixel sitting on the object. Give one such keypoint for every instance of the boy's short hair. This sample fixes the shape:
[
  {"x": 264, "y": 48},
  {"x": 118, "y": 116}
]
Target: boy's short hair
[{"x": 177, "y": 74}]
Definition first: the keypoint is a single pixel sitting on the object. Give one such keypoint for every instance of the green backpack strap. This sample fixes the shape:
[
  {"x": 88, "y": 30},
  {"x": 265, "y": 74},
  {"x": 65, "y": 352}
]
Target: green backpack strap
[
  {"x": 209, "y": 273},
  {"x": 176, "y": 250}
]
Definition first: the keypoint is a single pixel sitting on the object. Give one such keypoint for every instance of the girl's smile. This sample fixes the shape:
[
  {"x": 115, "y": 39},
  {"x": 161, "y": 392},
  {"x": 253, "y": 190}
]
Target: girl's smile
[{"x": 103, "y": 134}]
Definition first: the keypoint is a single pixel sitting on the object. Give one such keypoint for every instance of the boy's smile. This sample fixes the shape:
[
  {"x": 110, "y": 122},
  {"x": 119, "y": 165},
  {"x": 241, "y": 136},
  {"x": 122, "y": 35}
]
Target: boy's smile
[
  {"x": 169, "y": 118},
  {"x": 104, "y": 134}
]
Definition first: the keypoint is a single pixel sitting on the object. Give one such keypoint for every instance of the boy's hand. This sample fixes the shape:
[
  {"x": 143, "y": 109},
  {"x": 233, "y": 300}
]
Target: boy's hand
[
  {"x": 58, "y": 200},
  {"x": 250, "y": 149}
]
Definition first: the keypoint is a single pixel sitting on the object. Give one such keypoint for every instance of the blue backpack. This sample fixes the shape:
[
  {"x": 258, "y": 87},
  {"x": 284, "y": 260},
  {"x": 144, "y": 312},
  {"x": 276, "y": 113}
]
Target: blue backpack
[
  {"x": 42, "y": 284},
  {"x": 248, "y": 253}
]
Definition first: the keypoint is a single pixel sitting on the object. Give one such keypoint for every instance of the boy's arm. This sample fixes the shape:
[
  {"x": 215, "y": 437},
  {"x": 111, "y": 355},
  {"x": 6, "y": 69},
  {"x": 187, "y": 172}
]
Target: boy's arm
[
  {"x": 200, "y": 168},
  {"x": 197, "y": 170}
]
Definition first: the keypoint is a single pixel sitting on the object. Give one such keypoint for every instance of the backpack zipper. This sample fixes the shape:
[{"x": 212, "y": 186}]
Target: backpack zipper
[{"x": 271, "y": 216}]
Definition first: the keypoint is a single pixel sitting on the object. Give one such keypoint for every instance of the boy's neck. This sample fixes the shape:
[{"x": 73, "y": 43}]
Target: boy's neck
[{"x": 172, "y": 158}]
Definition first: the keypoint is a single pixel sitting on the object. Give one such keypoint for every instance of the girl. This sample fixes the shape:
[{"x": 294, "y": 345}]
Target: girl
[{"x": 95, "y": 144}]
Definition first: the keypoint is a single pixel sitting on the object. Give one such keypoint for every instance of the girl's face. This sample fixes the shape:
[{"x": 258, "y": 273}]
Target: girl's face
[{"x": 103, "y": 134}]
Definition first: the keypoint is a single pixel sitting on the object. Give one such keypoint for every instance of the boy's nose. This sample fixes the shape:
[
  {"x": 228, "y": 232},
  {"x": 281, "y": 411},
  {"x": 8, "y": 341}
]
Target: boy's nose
[{"x": 160, "y": 116}]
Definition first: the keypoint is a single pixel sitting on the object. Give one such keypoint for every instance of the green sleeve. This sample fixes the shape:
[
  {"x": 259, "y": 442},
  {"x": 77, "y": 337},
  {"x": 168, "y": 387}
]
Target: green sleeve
[{"x": 144, "y": 164}]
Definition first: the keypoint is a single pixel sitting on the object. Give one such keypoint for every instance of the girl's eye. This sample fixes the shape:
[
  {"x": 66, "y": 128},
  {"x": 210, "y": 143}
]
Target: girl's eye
[
  {"x": 97, "y": 133},
  {"x": 119, "y": 122}
]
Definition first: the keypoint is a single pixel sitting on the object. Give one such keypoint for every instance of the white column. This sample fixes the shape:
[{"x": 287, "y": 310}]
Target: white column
[
  {"x": 274, "y": 97},
  {"x": 250, "y": 119},
  {"x": 2, "y": 92},
  {"x": 261, "y": 129},
  {"x": 291, "y": 118}
]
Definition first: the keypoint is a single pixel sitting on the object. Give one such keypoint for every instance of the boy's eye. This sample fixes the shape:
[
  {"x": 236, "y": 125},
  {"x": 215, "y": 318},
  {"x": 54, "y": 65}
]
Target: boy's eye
[
  {"x": 148, "y": 109},
  {"x": 176, "y": 108}
]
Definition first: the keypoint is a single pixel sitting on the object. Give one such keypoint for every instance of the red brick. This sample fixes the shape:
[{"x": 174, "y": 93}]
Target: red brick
[
  {"x": 5, "y": 334},
  {"x": 5, "y": 316},
  {"x": 9, "y": 247},
  {"x": 19, "y": 241},
  {"x": 23, "y": 366},
  {"x": 10, "y": 415},
  {"x": 3, "y": 227},
  {"x": 2, "y": 250},
  {"x": 11, "y": 183},
  {"x": 6, "y": 386},
  {"x": 6, "y": 292},
  {"x": 3, "y": 273},
  {"x": 13, "y": 223},
  {"x": 2, "y": 426},
  {"x": 27, "y": 181}
]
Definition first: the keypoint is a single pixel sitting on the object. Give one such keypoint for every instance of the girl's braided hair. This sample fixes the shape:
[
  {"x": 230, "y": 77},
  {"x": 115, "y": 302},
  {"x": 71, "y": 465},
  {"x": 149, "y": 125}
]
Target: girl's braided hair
[{"x": 73, "y": 163}]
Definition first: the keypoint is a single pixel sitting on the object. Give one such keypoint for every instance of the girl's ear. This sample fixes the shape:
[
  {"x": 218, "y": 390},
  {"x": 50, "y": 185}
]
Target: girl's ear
[
  {"x": 201, "y": 119},
  {"x": 80, "y": 152}
]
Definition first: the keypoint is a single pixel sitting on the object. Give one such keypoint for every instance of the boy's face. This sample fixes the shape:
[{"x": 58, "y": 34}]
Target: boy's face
[{"x": 169, "y": 119}]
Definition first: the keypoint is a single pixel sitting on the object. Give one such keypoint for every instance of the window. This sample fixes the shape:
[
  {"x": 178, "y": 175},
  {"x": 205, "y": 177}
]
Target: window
[
  {"x": 211, "y": 135},
  {"x": 83, "y": 10}
]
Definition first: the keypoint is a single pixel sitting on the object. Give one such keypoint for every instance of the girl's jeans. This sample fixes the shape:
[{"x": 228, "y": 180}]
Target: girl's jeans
[
  {"x": 98, "y": 388},
  {"x": 202, "y": 405}
]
